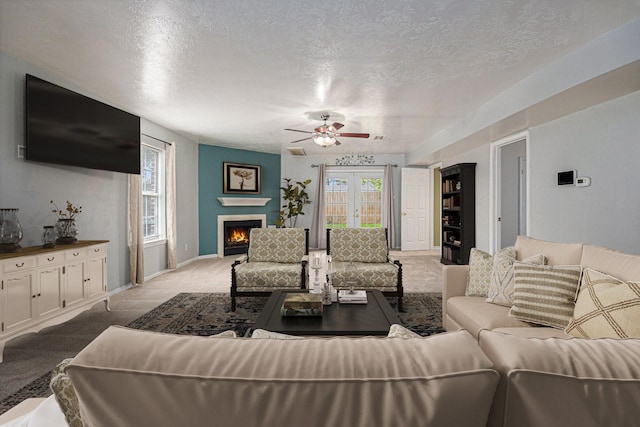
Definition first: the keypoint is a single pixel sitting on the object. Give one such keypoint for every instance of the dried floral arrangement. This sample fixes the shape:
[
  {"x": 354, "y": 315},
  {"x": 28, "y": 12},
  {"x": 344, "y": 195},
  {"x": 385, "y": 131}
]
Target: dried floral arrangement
[{"x": 69, "y": 213}]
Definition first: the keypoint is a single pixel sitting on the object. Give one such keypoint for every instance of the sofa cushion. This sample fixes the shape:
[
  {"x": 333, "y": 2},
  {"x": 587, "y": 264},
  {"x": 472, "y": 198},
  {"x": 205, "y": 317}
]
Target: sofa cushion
[
  {"x": 475, "y": 314},
  {"x": 480, "y": 267},
  {"x": 606, "y": 307},
  {"x": 564, "y": 382},
  {"x": 556, "y": 253},
  {"x": 538, "y": 332},
  {"x": 618, "y": 264},
  {"x": 545, "y": 294},
  {"x": 159, "y": 380},
  {"x": 502, "y": 279}
]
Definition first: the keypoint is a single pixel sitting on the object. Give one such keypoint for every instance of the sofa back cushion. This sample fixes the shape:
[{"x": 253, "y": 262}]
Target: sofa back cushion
[
  {"x": 130, "y": 377},
  {"x": 555, "y": 253},
  {"x": 358, "y": 244},
  {"x": 287, "y": 245},
  {"x": 564, "y": 382},
  {"x": 614, "y": 263}
]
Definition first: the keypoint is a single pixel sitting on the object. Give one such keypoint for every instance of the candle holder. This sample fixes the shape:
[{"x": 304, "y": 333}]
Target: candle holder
[{"x": 316, "y": 265}]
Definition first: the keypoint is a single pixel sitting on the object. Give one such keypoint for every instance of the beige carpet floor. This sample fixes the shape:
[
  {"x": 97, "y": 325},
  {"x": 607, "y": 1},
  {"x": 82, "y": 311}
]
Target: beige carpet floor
[{"x": 30, "y": 356}]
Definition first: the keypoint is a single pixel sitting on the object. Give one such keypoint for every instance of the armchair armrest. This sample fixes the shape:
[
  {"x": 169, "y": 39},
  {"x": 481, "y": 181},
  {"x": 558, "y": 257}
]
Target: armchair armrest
[{"x": 241, "y": 259}]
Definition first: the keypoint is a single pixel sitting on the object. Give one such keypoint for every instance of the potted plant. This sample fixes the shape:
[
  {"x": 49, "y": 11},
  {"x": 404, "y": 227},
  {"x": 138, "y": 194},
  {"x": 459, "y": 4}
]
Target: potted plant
[{"x": 295, "y": 197}]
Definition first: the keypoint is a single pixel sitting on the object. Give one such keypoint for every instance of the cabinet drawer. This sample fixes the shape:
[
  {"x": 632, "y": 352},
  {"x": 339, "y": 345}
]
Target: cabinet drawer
[
  {"x": 48, "y": 259},
  {"x": 97, "y": 250},
  {"x": 75, "y": 254},
  {"x": 18, "y": 264}
]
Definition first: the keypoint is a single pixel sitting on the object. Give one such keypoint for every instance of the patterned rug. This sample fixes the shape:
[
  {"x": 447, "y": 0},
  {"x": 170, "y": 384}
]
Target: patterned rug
[{"x": 209, "y": 313}]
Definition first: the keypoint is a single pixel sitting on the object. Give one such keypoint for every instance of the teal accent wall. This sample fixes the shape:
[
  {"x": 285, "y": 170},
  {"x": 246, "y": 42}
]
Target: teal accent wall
[{"x": 210, "y": 160}]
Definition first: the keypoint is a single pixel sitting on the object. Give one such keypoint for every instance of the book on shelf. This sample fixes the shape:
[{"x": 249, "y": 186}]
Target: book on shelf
[{"x": 349, "y": 297}]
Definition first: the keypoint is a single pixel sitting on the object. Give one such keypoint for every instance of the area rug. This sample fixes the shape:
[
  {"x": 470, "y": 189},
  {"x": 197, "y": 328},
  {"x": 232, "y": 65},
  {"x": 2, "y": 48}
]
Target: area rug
[{"x": 210, "y": 313}]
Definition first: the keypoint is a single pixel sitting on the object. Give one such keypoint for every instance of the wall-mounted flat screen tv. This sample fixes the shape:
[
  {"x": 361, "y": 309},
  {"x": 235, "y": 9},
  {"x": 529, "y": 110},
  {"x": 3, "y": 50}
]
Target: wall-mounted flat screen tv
[{"x": 67, "y": 128}]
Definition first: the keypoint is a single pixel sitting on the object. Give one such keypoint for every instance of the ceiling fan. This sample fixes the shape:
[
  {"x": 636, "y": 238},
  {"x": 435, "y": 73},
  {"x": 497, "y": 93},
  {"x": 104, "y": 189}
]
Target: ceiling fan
[{"x": 326, "y": 135}]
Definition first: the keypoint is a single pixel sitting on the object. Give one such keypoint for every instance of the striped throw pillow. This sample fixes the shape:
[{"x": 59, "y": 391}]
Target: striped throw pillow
[
  {"x": 545, "y": 294},
  {"x": 607, "y": 307}
]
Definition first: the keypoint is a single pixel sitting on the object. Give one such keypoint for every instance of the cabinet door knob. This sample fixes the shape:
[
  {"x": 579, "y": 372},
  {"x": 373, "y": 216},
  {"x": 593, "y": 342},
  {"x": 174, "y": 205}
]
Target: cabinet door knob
[
  {"x": 51, "y": 259},
  {"x": 19, "y": 265},
  {"x": 33, "y": 296}
]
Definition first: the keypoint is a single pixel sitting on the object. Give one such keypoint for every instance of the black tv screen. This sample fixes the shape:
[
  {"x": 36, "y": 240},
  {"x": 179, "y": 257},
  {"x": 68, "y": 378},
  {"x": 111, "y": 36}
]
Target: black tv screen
[{"x": 68, "y": 128}]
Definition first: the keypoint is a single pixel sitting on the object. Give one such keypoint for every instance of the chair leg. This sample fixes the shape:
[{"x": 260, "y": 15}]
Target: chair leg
[
  {"x": 233, "y": 303},
  {"x": 400, "y": 303}
]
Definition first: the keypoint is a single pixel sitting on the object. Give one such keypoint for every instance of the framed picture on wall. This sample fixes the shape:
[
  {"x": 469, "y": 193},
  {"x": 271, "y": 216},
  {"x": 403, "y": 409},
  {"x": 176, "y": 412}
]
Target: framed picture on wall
[{"x": 239, "y": 178}]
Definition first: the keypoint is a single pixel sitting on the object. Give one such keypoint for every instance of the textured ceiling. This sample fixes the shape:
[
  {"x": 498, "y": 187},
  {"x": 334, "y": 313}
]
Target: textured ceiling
[{"x": 235, "y": 73}]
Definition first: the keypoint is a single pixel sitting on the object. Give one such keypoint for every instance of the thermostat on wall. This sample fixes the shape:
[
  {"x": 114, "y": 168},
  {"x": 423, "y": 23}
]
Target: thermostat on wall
[
  {"x": 567, "y": 177},
  {"x": 583, "y": 181}
]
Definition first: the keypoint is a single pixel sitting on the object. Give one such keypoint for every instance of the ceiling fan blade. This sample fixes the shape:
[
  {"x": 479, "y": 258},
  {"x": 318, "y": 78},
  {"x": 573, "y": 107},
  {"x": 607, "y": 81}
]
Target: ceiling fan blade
[
  {"x": 353, "y": 135},
  {"x": 296, "y": 130},
  {"x": 337, "y": 125},
  {"x": 303, "y": 139}
]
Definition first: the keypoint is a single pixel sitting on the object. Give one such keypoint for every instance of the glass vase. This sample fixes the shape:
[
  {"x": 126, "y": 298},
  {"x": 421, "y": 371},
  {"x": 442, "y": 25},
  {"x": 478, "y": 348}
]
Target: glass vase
[
  {"x": 67, "y": 230},
  {"x": 10, "y": 231},
  {"x": 49, "y": 236}
]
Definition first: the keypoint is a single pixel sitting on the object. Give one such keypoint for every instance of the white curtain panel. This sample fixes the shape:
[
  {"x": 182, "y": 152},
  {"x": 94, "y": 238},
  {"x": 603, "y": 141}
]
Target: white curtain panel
[
  {"x": 387, "y": 205},
  {"x": 318, "y": 237},
  {"x": 136, "y": 238},
  {"x": 170, "y": 168}
]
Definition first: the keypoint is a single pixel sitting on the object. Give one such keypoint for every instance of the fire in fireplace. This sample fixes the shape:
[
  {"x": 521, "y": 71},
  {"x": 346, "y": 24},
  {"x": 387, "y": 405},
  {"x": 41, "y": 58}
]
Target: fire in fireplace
[{"x": 236, "y": 236}]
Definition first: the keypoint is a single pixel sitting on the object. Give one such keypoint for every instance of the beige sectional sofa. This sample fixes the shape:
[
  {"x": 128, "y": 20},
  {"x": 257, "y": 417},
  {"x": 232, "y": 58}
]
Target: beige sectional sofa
[
  {"x": 549, "y": 378},
  {"x": 474, "y": 314}
]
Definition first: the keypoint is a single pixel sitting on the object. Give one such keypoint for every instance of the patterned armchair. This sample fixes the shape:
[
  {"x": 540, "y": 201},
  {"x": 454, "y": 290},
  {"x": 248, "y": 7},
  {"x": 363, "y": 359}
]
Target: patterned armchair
[
  {"x": 277, "y": 259},
  {"x": 367, "y": 250}
]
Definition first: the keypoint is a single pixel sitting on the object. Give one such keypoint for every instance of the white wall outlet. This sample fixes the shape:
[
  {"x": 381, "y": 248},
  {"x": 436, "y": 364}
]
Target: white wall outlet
[
  {"x": 583, "y": 181},
  {"x": 20, "y": 151},
  {"x": 186, "y": 246}
]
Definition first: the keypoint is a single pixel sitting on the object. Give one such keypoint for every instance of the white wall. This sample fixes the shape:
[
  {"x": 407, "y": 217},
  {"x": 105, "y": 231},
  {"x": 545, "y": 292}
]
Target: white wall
[
  {"x": 298, "y": 168},
  {"x": 29, "y": 186},
  {"x": 602, "y": 142}
]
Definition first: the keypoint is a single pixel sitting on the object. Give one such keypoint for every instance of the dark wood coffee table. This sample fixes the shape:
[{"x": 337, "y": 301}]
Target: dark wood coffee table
[{"x": 373, "y": 318}]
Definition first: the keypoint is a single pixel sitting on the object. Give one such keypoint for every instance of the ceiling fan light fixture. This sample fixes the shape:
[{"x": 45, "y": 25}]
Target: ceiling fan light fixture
[{"x": 324, "y": 140}]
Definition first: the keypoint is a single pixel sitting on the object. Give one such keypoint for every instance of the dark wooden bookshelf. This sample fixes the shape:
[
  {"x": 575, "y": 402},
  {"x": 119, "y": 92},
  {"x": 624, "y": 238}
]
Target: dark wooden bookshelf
[{"x": 458, "y": 212}]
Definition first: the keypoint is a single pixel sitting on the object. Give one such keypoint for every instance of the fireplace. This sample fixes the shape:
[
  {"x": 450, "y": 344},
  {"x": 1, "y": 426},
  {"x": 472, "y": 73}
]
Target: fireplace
[
  {"x": 236, "y": 246},
  {"x": 236, "y": 236}
]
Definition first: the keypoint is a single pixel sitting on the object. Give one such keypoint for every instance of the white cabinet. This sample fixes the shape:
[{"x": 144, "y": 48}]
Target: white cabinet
[{"x": 42, "y": 287}]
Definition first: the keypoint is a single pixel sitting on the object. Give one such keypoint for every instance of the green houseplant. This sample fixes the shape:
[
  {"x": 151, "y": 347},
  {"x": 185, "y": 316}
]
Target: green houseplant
[{"x": 295, "y": 197}]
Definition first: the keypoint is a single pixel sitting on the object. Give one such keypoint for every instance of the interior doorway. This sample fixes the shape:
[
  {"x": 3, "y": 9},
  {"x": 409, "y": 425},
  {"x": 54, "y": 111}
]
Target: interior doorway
[{"x": 509, "y": 196}]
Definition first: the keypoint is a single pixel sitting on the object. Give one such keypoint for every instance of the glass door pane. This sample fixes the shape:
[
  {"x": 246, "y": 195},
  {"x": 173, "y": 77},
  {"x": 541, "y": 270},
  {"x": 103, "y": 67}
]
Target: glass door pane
[{"x": 354, "y": 199}]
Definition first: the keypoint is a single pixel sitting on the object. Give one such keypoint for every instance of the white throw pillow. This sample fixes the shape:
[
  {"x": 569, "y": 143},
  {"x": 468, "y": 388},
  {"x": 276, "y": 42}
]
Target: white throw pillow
[
  {"x": 606, "y": 307},
  {"x": 480, "y": 267},
  {"x": 502, "y": 280},
  {"x": 263, "y": 333},
  {"x": 399, "y": 331}
]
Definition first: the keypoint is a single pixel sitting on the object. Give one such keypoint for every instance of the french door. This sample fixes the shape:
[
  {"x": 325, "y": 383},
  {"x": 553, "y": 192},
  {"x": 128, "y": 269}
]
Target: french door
[{"x": 354, "y": 199}]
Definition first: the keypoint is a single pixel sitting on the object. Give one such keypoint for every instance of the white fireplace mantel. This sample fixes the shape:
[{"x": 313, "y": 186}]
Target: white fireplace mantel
[{"x": 243, "y": 201}]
